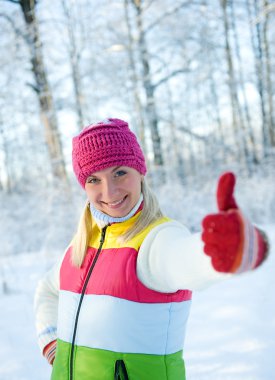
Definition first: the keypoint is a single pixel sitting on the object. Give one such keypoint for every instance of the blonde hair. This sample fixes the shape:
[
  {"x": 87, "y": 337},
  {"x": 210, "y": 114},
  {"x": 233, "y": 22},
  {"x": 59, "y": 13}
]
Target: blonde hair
[{"x": 150, "y": 213}]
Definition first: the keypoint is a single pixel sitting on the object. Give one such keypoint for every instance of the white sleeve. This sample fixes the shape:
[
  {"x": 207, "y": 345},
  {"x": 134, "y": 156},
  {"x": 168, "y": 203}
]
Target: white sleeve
[
  {"x": 46, "y": 306},
  {"x": 170, "y": 259}
]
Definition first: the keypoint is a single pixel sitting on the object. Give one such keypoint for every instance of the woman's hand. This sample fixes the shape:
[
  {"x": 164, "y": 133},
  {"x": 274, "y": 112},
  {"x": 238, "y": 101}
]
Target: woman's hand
[{"x": 231, "y": 241}]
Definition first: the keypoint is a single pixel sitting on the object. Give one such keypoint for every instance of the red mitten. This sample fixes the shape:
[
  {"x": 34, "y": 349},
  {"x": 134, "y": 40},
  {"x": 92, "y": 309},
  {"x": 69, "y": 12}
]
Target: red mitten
[
  {"x": 49, "y": 351},
  {"x": 231, "y": 241}
]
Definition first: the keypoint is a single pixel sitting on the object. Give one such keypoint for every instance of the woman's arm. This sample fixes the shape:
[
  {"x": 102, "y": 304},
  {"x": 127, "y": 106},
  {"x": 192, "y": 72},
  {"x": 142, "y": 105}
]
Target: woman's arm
[
  {"x": 170, "y": 258},
  {"x": 46, "y": 306}
]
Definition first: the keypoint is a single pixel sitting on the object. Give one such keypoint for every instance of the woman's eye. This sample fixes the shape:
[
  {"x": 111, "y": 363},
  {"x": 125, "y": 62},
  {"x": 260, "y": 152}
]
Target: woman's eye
[
  {"x": 92, "y": 180},
  {"x": 120, "y": 173}
]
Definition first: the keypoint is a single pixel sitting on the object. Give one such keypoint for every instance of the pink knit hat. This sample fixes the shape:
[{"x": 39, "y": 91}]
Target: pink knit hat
[{"x": 105, "y": 144}]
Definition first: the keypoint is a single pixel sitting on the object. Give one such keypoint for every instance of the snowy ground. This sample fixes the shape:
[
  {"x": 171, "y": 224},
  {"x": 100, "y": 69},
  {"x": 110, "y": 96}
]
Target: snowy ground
[{"x": 231, "y": 331}]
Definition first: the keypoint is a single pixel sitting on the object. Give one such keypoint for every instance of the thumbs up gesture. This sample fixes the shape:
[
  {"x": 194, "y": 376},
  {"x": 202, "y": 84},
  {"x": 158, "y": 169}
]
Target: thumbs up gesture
[{"x": 231, "y": 241}]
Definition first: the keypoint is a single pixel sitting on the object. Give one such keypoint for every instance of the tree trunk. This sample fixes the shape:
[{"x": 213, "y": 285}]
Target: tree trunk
[
  {"x": 42, "y": 89},
  {"x": 6, "y": 178},
  {"x": 239, "y": 133},
  {"x": 150, "y": 107},
  {"x": 175, "y": 148},
  {"x": 269, "y": 87},
  {"x": 256, "y": 40},
  {"x": 134, "y": 80},
  {"x": 245, "y": 115},
  {"x": 74, "y": 61}
]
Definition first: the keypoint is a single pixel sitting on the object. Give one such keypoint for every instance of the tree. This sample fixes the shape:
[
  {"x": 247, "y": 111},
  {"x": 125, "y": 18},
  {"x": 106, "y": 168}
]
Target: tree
[
  {"x": 260, "y": 51},
  {"x": 134, "y": 80},
  {"x": 244, "y": 113},
  {"x": 150, "y": 106},
  {"x": 269, "y": 84},
  {"x": 74, "y": 57},
  {"x": 237, "y": 121},
  {"x": 42, "y": 88}
]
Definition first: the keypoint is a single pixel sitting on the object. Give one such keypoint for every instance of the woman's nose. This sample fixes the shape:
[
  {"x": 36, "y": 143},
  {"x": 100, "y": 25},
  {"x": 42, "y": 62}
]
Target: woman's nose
[{"x": 109, "y": 190}]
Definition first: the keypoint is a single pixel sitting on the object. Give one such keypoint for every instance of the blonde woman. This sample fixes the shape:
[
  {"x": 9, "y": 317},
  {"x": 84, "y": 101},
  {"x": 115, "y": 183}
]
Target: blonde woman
[{"x": 117, "y": 303}]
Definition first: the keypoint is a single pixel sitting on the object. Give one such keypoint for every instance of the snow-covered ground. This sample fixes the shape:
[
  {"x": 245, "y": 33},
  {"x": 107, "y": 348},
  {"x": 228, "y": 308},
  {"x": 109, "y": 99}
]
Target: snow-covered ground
[
  {"x": 231, "y": 331},
  {"x": 21, "y": 359}
]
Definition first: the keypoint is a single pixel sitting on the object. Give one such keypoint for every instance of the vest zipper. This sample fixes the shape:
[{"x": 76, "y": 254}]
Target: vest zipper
[
  {"x": 120, "y": 371},
  {"x": 102, "y": 238}
]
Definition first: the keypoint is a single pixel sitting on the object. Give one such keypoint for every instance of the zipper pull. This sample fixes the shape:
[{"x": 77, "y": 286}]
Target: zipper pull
[{"x": 103, "y": 233}]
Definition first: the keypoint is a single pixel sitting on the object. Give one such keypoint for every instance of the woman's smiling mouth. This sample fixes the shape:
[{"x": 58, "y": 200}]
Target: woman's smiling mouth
[{"x": 115, "y": 204}]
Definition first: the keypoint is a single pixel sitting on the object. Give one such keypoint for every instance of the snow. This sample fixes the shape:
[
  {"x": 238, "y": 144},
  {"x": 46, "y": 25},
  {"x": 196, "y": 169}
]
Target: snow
[{"x": 231, "y": 329}]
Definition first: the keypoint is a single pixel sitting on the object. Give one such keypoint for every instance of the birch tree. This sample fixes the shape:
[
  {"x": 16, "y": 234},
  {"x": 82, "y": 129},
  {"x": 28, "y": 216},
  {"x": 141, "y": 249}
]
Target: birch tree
[
  {"x": 74, "y": 50},
  {"x": 237, "y": 122},
  {"x": 244, "y": 112},
  {"x": 134, "y": 79},
  {"x": 42, "y": 88},
  {"x": 150, "y": 106},
  {"x": 258, "y": 51},
  {"x": 5, "y": 175},
  {"x": 269, "y": 85}
]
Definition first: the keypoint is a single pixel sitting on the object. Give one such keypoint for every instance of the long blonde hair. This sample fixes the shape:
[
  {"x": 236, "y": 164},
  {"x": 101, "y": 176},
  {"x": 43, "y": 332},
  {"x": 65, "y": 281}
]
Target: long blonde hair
[{"x": 150, "y": 213}]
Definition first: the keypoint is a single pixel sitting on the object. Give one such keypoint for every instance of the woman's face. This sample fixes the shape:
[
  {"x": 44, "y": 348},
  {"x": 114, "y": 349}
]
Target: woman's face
[{"x": 114, "y": 191}]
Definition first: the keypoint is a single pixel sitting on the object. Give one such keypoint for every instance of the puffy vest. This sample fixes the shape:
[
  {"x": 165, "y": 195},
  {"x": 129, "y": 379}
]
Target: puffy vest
[{"x": 110, "y": 326}]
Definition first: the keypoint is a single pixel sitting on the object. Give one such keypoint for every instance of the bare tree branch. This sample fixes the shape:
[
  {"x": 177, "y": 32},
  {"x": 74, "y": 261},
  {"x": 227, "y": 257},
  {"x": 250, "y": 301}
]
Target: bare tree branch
[
  {"x": 12, "y": 1},
  {"x": 16, "y": 30},
  {"x": 187, "y": 131},
  {"x": 148, "y": 5},
  {"x": 266, "y": 10},
  {"x": 206, "y": 139},
  {"x": 171, "y": 75},
  {"x": 164, "y": 15}
]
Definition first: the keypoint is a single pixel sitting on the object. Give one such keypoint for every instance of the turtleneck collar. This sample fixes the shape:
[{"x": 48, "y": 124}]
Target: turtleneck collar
[{"x": 103, "y": 219}]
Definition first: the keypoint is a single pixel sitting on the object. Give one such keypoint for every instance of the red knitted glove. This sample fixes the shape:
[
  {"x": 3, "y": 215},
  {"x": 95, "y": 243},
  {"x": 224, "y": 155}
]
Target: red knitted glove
[
  {"x": 49, "y": 351},
  {"x": 231, "y": 241}
]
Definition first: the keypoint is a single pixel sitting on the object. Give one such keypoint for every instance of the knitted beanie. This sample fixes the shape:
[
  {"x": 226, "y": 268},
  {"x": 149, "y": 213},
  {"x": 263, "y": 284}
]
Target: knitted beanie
[{"x": 105, "y": 144}]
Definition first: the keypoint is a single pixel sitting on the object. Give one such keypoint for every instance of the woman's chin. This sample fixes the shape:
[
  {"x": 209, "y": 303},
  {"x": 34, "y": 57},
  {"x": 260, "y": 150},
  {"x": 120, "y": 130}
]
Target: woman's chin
[{"x": 119, "y": 210}]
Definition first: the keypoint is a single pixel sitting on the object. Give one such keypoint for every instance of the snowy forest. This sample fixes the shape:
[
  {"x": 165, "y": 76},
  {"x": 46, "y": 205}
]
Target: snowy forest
[{"x": 195, "y": 79}]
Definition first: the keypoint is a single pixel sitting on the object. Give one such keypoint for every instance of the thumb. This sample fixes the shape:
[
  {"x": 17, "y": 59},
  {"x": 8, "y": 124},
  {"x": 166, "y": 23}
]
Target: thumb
[{"x": 225, "y": 190}]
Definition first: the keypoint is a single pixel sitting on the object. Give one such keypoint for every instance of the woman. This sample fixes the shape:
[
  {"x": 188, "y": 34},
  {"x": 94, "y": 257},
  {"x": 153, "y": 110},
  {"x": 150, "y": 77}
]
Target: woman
[{"x": 117, "y": 303}]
